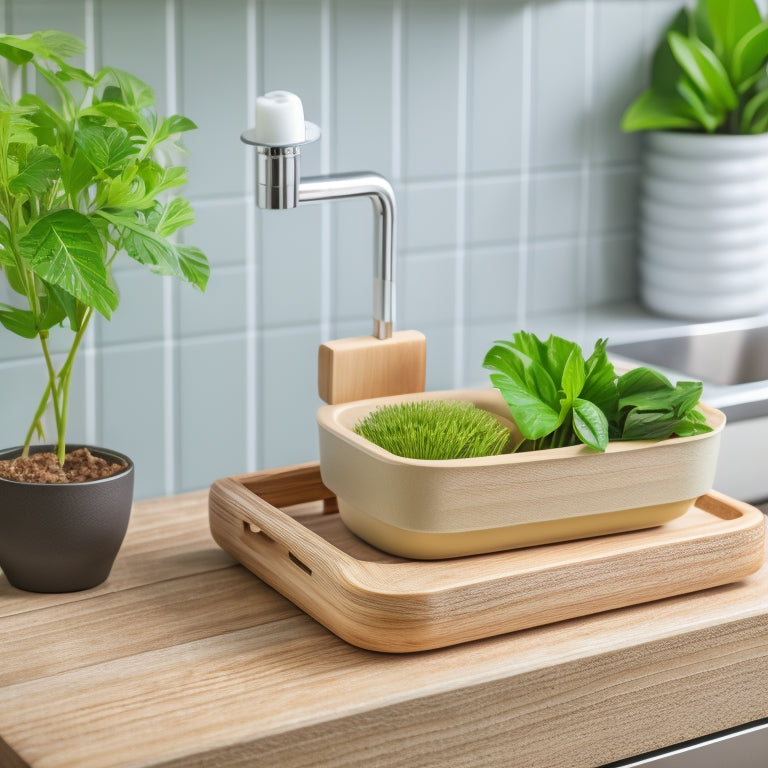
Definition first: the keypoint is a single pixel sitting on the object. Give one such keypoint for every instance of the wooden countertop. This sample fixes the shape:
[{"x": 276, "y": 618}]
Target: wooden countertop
[{"x": 183, "y": 658}]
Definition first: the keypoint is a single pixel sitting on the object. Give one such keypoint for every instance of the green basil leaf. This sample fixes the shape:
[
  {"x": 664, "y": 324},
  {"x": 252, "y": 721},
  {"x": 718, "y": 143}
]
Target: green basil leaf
[
  {"x": 574, "y": 375},
  {"x": 590, "y": 424},
  {"x": 649, "y": 425},
  {"x": 642, "y": 379},
  {"x": 533, "y": 417},
  {"x": 600, "y": 380}
]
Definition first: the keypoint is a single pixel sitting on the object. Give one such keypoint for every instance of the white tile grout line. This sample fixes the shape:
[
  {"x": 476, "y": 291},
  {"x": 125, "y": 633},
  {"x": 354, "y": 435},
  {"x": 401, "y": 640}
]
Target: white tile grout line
[
  {"x": 526, "y": 117},
  {"x": 251, "y": 358},
  {"x": 582, "y": 253},
  {"x": 397, "y": 128},
  {"x": 89, "y": 341},
  {"x": 461, "y": 195},
  {"x": 397, "y": 89},
  {"x": 326, "y": 117},
  {"x": 169, "y": 345}
]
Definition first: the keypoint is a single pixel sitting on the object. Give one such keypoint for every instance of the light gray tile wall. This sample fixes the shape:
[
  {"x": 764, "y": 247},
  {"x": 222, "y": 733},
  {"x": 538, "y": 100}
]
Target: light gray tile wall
[{"x": 496, "y": 121}]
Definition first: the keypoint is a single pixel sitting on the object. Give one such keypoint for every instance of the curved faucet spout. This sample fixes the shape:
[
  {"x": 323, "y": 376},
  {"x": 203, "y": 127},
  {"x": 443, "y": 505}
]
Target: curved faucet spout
[{"x": 381, "y": 194}]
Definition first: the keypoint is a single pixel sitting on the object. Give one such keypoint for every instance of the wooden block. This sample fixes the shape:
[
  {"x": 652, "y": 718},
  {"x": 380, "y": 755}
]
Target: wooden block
[{"x": 364, "y": 366}]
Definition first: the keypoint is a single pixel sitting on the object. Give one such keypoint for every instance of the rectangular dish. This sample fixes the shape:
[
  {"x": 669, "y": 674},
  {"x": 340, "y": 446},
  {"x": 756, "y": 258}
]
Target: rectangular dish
[
  {"x": 282, "y": 526},
  {"x": 436, "y": 509}
]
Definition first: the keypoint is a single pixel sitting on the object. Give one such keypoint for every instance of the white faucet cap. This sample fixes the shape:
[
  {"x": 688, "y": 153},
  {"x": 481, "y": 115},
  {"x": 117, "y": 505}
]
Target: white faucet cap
[{"x": 279, "y": 119}]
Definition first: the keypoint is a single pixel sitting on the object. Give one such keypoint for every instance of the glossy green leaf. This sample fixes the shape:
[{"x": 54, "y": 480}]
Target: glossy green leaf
[
  {"x": 652, "y": 111},
  {"x": 533, "y": 417},
  {"x": 708, "y": 120},
  {"x": 176, "y": 214},
  {"x": 106, "y": 147},
  {"x": 18, "y": 321},
  {"x": 125, "y": 88},
  {"x": 730, "y": 20},
  {"x": 704, "y": 69},
  {"x": 600, "y": 379},
  {"x": 65, "y": 249},
  {"x": 750, "y": 54},
  {"x": 148, "y": 247},
  {"x": 590, "y": 424},
  {"x": 37, "y": 174}
]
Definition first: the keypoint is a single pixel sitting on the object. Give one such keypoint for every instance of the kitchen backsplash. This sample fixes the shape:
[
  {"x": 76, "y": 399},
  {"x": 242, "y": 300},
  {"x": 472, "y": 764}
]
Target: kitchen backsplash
[{"x": 497, "y": 122}]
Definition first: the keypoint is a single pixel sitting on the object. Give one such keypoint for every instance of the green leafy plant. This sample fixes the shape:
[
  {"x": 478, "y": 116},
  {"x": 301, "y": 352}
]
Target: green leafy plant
[
  {"x": 435, "y": 429},
  {"x": 557, "y": 398},
  {"x": 708, "y": 73},
  {"x": 85, "y": 174}
]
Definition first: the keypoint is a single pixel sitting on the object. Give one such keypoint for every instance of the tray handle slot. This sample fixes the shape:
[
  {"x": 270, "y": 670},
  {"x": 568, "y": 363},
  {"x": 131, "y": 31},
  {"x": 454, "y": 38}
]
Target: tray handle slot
[{"x": 253, "y": 530}]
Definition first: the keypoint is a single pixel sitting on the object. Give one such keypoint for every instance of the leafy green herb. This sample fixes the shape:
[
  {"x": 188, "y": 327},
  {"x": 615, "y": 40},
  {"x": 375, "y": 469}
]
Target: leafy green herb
[
  {"x": 435, "y": 429},
  {"x": 557, "y": 398},
  {"x": 708, "y": 72},
  {"x": 82, "y": 178}
]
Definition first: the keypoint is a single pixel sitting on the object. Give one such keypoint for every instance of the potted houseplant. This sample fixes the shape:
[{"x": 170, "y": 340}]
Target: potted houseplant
[
  {"x": 593, "y": 452},
  {"x": 704, "y": 199},
  {"x": 83, "y": 178}
]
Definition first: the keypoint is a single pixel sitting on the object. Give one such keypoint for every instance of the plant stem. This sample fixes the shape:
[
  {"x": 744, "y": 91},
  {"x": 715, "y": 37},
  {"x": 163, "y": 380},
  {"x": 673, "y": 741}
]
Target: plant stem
[
  {"x": 36, "y": 421},
  {"x": 53, "y": 390}
]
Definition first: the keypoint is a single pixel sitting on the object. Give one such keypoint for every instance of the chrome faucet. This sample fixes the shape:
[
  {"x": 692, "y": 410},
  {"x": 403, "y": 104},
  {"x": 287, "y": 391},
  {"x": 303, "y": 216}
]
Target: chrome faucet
[{"x": 278, "y": 136}]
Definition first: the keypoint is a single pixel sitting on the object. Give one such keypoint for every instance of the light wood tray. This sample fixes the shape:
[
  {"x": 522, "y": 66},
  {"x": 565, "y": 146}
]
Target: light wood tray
[{"x": 283, "y": 526}]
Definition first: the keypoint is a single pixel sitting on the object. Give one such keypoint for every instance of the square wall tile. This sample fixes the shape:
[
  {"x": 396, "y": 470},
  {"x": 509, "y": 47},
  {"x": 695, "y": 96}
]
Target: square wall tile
[
  {"x": 131, "y": 411},
  {"x": 25, "y": 16},
  {"x": 559, "y": 83},
  {"x": 621, "y": 72},
  {"x": 219, "y": 229},
  {"x": 478, "y": 339},
  {"x": 441, "y": 348},
  {"x": 492, "y": 280},
  {"x": 354, "y": 253},
  {"x": 362, "y": 76},
  {"x": 290, "y": 260},
  {"x": 22, "y": 384},
  {"x": 495, "y": 86},
  {"x": 220, "y": 309},
  {"x": 288, "y": 398},
  {"x": 119, "y": 26},
  {"x": 555, "y": 205},
  {"x": 426, "y": 290},
  {"x": 553, "y": 284},
  {"x": 212, "y": 400},
  {"x": 430, "y": 88},
  {"x": 613, "y": 199},
  {"x": 612, "y": 269},
  {"x": 139, "y": 316},
  {"x": 211, "y": 71},
  {"x": 290, "y": 51},
  {"x": 493, "y": 210},
  {"x": 428, "y": 215}
]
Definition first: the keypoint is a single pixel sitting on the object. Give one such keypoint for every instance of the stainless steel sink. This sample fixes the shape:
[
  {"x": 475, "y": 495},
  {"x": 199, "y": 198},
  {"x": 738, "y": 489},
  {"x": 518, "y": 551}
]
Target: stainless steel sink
[{"x": 731, "y": 359}]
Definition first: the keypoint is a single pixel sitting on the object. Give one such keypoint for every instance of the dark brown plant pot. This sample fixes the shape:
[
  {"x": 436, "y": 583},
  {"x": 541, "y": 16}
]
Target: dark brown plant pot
[{"x": 63, "y": 537}]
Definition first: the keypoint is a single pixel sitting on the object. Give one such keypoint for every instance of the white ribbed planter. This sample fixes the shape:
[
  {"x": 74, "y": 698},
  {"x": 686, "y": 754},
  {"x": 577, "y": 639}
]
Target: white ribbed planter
[{"x": 704, "y": 225}]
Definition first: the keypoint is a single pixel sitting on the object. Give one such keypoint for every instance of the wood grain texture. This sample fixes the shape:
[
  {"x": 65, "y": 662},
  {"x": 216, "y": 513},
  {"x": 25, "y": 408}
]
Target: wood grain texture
[
  {"x": 185, "y": 659},
  {"x": 404, "y": 606},
  {"x": 364, "y": 366}
]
